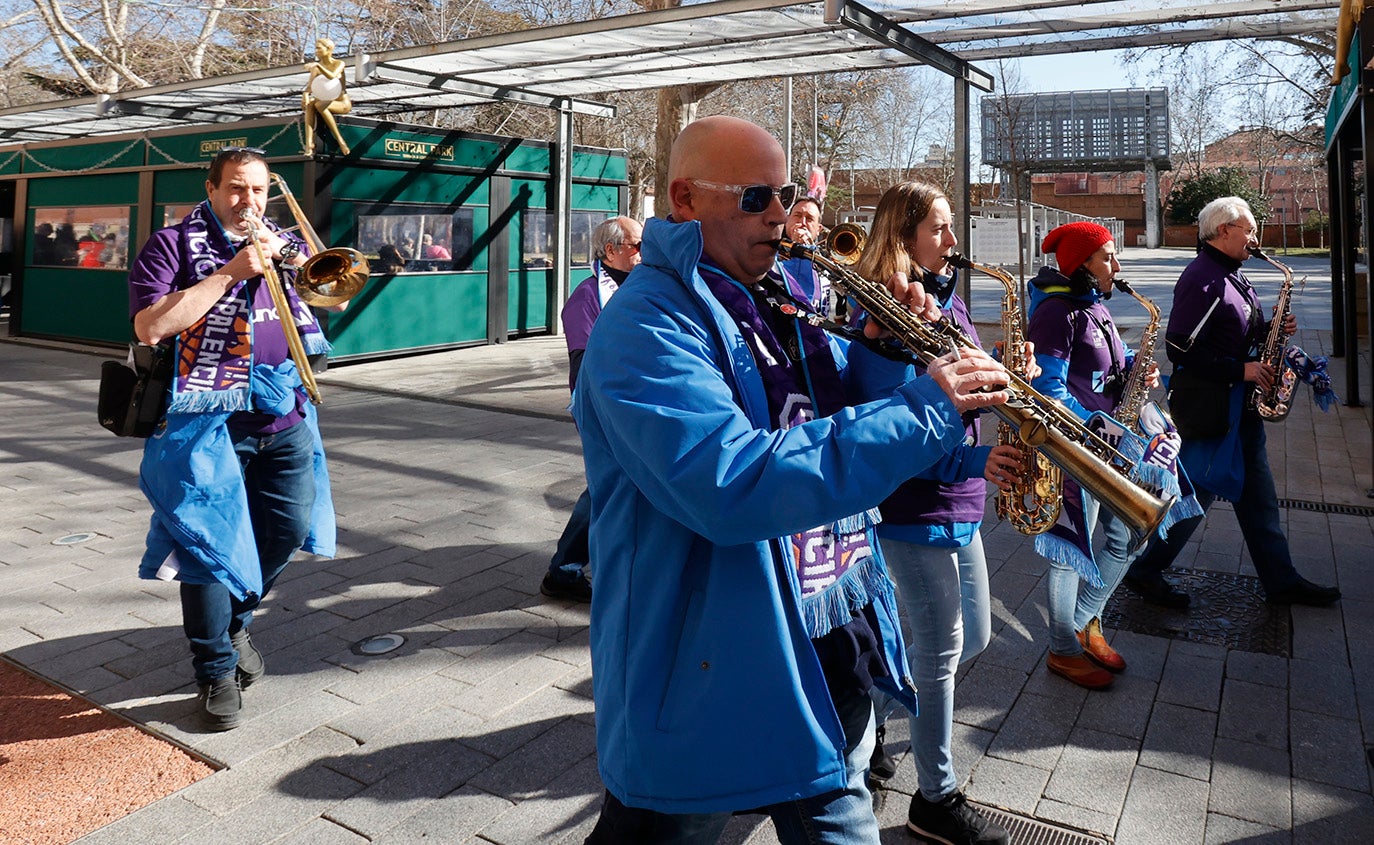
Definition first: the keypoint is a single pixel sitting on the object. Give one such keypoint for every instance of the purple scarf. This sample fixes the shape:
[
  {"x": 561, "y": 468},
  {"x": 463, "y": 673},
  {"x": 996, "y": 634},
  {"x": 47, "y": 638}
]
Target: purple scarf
[{"x": 215, "y": 354}]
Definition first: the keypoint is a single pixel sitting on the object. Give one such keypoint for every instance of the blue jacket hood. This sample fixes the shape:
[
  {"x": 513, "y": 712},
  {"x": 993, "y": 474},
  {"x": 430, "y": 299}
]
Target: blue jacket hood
[{"x": 1059, "y": 285}]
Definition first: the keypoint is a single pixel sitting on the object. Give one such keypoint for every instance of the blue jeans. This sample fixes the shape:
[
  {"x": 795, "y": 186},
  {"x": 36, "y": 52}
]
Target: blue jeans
[
  {"x": 944, "y": 594},
  {"x": 279, "y": 477},
  {"x": 840, "y": 817},
  {"x": 1257, "y": 511},
  {"x": 572, "y": 552},
  {"x": 1073, "y": 605}
]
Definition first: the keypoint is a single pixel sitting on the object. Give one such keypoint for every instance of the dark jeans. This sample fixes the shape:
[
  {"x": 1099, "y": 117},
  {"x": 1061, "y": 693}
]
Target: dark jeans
[
  {"x": 572, "y": 552},
  {"x": 1257, "y": 511},
  {"x": 839, "y": 817},
  {"x": 278, "y": 474}
]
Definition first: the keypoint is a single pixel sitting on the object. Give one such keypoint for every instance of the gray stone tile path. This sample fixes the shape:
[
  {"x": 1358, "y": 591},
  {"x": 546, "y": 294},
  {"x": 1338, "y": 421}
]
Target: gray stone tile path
[{"x": 453, "y": 474}]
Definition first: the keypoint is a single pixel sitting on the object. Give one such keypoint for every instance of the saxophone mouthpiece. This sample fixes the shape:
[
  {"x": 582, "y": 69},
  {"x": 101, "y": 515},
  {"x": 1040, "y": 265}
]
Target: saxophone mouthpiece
[
  {"x": 1122, "y": 285},
  {"x": 955, "y": 259},
  {"x": 1257, "y": 252}
]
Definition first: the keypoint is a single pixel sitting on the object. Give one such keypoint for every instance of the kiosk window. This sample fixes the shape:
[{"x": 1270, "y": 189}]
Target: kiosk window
[
  {"x": 416, "y": 239},
  {"x": 92, "y": 237},
  {"x": 537, "y": 243}
]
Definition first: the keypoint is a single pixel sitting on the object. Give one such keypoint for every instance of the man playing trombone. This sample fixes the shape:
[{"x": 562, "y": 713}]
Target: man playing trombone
[{"x": 235, "y": 473}]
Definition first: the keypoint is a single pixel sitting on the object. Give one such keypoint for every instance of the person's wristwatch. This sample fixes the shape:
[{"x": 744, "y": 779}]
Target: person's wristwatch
[{"x": 289, "y": 251}]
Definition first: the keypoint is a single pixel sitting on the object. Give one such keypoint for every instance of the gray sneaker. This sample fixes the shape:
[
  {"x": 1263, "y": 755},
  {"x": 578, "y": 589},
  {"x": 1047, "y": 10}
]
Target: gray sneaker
[
  {"x": 251, "y": 665},
  {"x": 221, "y": 704}
]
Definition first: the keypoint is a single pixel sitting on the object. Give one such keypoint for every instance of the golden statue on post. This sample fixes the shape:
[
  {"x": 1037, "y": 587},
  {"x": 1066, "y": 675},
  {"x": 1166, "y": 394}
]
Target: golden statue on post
[{"x": 324, "y": 94}]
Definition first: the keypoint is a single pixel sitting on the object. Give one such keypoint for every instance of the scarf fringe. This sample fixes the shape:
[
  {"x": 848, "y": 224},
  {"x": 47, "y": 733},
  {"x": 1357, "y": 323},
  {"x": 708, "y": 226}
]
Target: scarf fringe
[
  {"x": 315, "y": 344},
  {"x": 834, "y": 606},
  {"x": 210, "y": 401},
  {"x": 1063, "y": 552},
  {"x": 858, "y": 522}
]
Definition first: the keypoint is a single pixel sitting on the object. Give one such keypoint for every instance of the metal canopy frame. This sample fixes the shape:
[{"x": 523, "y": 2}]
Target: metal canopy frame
[{"x": 561, "y": 67}]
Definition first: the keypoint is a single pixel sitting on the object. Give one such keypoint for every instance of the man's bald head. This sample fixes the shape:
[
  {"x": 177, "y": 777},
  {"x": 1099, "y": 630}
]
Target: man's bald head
[
  {"x": 731, "y": 154},
  {"x": 707, "y": 148}
]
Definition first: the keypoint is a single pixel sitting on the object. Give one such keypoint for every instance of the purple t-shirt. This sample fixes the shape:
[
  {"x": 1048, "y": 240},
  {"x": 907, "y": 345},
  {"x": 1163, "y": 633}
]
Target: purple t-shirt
[{"x": 160, "y": 269}]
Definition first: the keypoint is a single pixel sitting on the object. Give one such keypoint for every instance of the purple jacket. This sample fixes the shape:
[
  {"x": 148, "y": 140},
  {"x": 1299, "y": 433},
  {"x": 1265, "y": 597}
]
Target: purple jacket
[
  {"x": 1076, "y": 344},
  {"x": 1227, "y": 337},
  {"x": 580, "y": 312},
  {"x": 954, "y": 490}
]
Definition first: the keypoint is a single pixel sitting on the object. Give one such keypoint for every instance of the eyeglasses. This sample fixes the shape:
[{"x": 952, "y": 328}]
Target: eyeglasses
[
  {"x": 754, "y": 199},
  {"x": 634, "y": 245},
  {"x": 1249, "y": 233}
]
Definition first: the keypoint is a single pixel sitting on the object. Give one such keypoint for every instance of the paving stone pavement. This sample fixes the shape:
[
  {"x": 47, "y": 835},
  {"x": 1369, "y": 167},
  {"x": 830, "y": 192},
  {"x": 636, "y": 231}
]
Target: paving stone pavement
[{"x": 453, "y": 474}]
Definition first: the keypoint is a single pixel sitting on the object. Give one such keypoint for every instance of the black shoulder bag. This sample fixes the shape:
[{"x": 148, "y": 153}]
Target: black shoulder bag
[
  {"x": 1200, "y": 408},
  {"x": 133, "y": 393}
]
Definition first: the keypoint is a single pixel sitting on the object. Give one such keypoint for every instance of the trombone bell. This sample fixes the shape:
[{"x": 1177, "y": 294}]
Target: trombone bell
[
  {"x": 328, "y": 276},
  {"x": 331, "y": 276}
]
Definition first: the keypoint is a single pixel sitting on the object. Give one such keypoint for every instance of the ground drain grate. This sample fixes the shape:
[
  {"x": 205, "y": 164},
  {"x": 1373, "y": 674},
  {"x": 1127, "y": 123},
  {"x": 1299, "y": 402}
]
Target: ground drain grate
[
  {"x": 1324, "y": 507},
  {"x": 1227, "y": 610},
  {"x": 1028, "y": 831}
]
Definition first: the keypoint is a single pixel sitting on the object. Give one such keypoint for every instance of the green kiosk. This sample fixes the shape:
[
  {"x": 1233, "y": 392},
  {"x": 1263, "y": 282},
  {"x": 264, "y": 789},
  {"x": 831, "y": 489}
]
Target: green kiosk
[{"x": 458, "y": 227}]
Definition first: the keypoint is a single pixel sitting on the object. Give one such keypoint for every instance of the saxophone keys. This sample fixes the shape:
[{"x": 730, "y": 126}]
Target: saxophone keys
[{"x": 1034, "y": 432}]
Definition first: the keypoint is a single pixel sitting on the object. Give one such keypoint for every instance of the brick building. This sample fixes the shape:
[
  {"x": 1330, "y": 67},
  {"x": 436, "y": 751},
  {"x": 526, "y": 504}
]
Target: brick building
[{"x": 1284, "y": 168}]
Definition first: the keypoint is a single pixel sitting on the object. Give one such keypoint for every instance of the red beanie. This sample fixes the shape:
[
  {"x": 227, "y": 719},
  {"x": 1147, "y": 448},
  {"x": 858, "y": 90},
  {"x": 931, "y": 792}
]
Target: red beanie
[{"x": 1074, "y": 243}]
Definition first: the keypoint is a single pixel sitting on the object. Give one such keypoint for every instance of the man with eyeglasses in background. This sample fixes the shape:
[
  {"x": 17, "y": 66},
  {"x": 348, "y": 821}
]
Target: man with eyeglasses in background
[
  {"x": 1216, "y": 328},
  {"x": 742, "y": 610},
  {"x": 236, "y": 472},
  {"x": 616, "y": 242}
]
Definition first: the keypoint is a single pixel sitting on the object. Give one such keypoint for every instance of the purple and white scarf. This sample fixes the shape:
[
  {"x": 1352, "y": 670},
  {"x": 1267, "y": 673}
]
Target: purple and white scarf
[
  {"x": 214, "y": 356},
  {"x": 836, "y": 566}
]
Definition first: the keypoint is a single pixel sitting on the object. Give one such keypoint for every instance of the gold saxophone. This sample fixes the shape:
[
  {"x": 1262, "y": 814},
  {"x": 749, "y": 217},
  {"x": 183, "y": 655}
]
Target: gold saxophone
[
  {"x": 1274, "y": 404},
  {"x": 1033, "y": 502},
  {"x": 1040, "y": 421},
  {"x": 1133, "y": 398}
]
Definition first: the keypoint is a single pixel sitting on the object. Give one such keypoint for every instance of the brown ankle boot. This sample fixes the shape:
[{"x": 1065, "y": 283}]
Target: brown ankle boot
[
  {"x": 1080, "y": 670},
  {"x": 1096, "y": 648}
]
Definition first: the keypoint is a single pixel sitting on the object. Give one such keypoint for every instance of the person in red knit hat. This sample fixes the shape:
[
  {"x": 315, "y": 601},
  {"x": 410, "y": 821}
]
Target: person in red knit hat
[{"x": 1083, "y": 364}]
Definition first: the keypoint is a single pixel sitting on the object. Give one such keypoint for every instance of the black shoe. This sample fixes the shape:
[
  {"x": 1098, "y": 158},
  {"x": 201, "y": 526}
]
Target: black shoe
[
  {"x": 221, "y": 704},
  {"x": 1158, "y": 591},
  {"x": 951, "y": 821},
  {"x": 881, "y": 766},
  {"x": 251, "y": 665},
  {"x": 1305, "y": 592},
  {"x": 578, "y": 589}
]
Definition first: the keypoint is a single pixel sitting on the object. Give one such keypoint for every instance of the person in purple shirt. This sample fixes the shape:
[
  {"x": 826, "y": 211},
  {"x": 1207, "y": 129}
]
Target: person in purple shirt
[
  {"x": 929, "y": 530},
  {"x": 198, "y": 285},
  {"x": 1085, "y": 365},
  {"x": 1215, "y": 330},
  {"x": 617, "y": 252}
]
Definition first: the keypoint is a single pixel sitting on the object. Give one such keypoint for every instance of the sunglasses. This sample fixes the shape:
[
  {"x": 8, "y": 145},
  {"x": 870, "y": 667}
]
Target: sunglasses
[
  {"x": 755, "y": 199},
  {"x": 226, "y": 151}
]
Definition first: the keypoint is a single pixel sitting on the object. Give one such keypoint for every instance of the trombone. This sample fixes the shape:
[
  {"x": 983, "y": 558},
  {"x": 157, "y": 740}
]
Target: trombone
[{"x": 328, "y": 277}]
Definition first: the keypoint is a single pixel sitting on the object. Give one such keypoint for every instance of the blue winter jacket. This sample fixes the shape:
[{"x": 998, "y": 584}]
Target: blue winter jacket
[{"x": 709, "y": 694}]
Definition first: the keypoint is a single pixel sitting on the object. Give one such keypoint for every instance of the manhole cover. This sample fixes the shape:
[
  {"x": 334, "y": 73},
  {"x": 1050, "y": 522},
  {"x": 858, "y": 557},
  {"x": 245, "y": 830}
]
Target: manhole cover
[
  {"x": 73, "y": 539},
  {"x": 1227, "y": 610}
]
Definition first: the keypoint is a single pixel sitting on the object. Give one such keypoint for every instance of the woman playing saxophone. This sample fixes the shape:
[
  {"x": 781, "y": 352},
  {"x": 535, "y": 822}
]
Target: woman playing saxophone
[
  {"x": 1084, "y": 365},
  {"x": 929, "y": 532}
]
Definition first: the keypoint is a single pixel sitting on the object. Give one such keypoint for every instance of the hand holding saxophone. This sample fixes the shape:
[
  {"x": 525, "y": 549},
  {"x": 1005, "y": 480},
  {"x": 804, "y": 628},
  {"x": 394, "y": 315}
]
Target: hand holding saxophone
[
  {"x": 1260, "y": 373},
  {"x": 910, "y": 294},
  {"x": 1004, "y": 466},
  {"x": 970, "y": 378}
]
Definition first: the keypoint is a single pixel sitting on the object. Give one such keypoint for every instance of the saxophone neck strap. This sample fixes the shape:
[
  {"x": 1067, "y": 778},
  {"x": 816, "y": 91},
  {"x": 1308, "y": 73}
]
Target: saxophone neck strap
[{"x": 769, "y": 291}]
